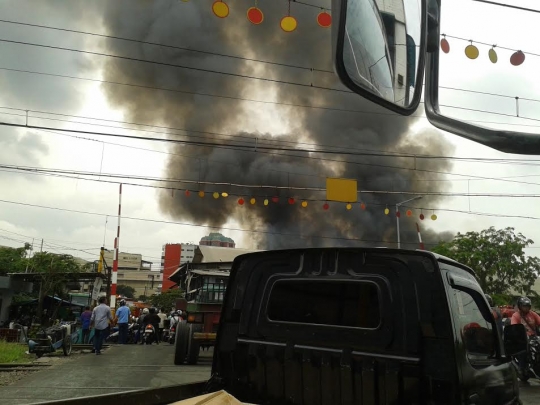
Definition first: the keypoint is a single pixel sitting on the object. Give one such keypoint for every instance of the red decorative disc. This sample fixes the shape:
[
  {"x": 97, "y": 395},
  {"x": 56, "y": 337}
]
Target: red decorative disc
[
  {"x": 291, "y": 200},
  {"x": 363, "y": 206},
  {"x": 275, "y": 199},
  {"x": 422, "y": 217},
  {"x": 187, "y": 193},
  {"x": 325, "y": 207},
  {"x": 409, "y": 213},
  {"x": 241, "y": 201},
  {"x": 445, "y": 46},
  {"x": 517, "y": 58},
  {"x": 398, "y": 214},
  {"x": 324, "y": 19},
  {"x": 255, "y": 15}
]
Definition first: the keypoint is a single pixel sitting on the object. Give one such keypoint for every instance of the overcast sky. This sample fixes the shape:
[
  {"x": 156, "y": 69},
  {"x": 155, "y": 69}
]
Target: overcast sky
[{"x": 65, "y": 231}]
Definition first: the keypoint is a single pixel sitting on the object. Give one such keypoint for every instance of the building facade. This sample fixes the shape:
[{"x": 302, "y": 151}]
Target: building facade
[
  {"x": 172, "y": 256},
  {"x": 217, "y": 239},
  {"x": 135, "y": 272}
]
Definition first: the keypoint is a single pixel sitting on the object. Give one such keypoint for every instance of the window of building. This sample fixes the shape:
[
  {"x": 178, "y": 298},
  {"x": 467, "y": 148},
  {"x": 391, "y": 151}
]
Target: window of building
[
  {"x": 338, "y": 303},
  {"x": 477, "y": 332}
]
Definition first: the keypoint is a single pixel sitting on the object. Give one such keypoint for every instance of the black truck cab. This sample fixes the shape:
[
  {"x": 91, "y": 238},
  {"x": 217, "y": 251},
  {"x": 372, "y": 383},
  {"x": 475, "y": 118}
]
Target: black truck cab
[{"x": 363, "y": 326}]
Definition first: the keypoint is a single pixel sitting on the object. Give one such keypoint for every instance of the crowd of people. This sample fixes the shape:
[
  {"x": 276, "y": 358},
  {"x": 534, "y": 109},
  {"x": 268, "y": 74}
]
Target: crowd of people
[{"x": 101, "y": 319}]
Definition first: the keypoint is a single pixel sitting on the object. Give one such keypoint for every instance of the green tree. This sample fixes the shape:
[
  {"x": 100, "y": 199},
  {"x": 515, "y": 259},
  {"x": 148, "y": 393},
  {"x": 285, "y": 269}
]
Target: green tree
[
  {"x": 55, "y": 269},
  {"x": 166, "y": 299},
  {"x": 498, "y": 258},
  {"x": 125, "y": 290},
  {"x": 12, "y": 260}
]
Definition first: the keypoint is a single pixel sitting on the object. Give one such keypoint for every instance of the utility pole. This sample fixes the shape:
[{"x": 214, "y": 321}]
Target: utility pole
[
  {"x": 41, "y": 248},
  {"x": 397, "y": 217}
]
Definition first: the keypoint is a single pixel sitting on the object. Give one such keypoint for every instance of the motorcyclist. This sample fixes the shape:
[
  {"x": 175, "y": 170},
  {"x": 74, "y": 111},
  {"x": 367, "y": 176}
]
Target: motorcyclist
[
  {"x": 153, "y": 319},
  {"x": 141, "y": 324},
  {"x": 529, "y": 319},
  {"x": 175, "y": 318},
  {"x": 497, "y": 315}
]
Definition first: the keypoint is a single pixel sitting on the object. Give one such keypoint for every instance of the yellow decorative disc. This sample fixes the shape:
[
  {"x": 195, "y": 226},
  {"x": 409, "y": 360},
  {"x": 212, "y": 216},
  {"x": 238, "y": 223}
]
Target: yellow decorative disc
[
  {"x": 252, "y": 201},
  {"x": 386, "y": 211},
  {"x": 492, "y": 55},
  {"x": 266, "y": 201},
  {"x": 349, "y": 206},
  {"x": 216, "y": 195},
  {"x": 472, "y": 52},
  {"x": 288, "y": 24},
  {"x": 224, "y": 195},
  {"x": 201, "y": 194},
  {"x": 304, "y": 204},
  {"x": 220, "y": 9},
  {"x": 434, "y": 217}
]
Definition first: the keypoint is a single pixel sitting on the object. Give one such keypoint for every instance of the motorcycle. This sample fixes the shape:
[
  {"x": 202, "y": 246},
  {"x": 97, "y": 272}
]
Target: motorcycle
[
  {"x": 533, "y": 360},
  {"x": 171, "y": 336},
  {"x": 114, "y": 335},
  {"x": 149, "y": 335}
]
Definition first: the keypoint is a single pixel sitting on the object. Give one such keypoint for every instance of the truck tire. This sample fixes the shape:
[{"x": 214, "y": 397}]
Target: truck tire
[
  {"x": 181, "y": 343},
  {"x": 67, "y": 345},
  {"x": 193, "y": 347}
]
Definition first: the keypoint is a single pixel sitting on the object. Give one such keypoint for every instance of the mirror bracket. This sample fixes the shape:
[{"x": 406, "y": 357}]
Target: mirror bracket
[{"x": 433, "y": 18}]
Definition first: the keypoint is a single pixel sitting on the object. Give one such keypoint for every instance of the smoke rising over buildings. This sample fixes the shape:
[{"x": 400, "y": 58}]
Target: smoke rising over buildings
[{"x": 192, "y": 25}]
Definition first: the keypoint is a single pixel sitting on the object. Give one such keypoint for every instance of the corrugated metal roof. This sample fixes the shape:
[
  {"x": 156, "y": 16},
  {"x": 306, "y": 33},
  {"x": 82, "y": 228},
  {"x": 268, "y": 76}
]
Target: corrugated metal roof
[
  {"x": 221, "y": 254},
  {"x": 211, "y": 273}
]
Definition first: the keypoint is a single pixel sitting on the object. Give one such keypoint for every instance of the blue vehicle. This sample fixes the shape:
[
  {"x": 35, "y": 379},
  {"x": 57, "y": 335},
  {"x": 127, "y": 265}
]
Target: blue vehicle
[{"x": 54, "y": 338}]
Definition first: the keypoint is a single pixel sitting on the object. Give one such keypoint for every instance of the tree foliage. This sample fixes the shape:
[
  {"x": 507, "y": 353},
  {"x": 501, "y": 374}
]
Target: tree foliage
[
  {"x": 125, "y": 290},
  {"x": 498, "y": 258},
  {"x": 166, "y": 299},
  {"x": 54, "y": 269},
  {"x": 12, "y": 260}
]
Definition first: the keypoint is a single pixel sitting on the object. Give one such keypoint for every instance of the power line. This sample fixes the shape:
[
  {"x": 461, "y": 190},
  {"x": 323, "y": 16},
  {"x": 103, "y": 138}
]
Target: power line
[
  {"x": 488, "y": 44},
  {"x": 508, "y": 5},
  {"x": 176, "y": 47},
  {"x": 71, "y": 174},
  {"x": 307, "y": 106},
  {"x": 166, "y": 64},
  {"x": 260, "y": 231},
  {"x": 237, "y": 75},
  {"x": 260, "y": 143},
  {"x": 287, "y": 155}
]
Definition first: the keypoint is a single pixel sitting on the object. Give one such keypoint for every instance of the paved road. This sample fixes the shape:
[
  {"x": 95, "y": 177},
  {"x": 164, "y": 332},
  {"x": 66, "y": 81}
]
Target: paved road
[
  {"x": 530, "y": 393},
  {"x": 119, "y": 368},
  {"x": 130, "y": 367}
]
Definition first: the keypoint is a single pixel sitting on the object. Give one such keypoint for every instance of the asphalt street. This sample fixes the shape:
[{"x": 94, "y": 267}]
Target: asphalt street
[
  {"x": 119, "y": 368},
  {"x": 126, "y": 368}
]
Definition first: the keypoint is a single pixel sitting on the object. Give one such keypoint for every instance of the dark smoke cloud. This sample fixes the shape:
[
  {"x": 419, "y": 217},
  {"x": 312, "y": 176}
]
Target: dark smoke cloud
[{"x": 193, "y": 25}]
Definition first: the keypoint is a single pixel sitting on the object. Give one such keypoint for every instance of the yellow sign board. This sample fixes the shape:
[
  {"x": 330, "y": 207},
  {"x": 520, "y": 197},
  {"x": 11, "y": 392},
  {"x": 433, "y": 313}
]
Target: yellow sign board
[{"x": 343, "y": 190}]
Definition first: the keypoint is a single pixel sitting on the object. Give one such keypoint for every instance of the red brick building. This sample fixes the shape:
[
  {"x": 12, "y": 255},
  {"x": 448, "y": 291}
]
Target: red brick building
[{"x": 172, "y": 256}]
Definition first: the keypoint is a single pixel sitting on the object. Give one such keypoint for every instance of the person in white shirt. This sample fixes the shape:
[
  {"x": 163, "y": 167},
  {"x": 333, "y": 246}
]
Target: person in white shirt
[
  {"x": 101, "y": 316},
  {"x": 162, "y": 316}
]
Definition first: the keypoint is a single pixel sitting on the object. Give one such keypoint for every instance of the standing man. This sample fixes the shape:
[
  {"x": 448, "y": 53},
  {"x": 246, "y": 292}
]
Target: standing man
[
  {"x": 122, "y": 318},
  {"x": 162, "y": 316},
  {"x": 86, "y": 316},
  {"x": 101, "y": 316}
]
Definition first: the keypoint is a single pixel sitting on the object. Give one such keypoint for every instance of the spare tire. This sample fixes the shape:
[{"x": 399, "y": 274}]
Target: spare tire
[
  {"x": 193, "y": 347},
  {"x": 181, "y": 343}
]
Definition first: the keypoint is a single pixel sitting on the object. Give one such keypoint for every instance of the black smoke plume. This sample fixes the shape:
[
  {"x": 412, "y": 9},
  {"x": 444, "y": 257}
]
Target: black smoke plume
[{"x": 192, "y": 25}]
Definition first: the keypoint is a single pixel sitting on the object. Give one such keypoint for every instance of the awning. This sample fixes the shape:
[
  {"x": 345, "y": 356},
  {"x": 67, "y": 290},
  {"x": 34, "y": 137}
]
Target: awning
[{"x": 211, "y": 273}]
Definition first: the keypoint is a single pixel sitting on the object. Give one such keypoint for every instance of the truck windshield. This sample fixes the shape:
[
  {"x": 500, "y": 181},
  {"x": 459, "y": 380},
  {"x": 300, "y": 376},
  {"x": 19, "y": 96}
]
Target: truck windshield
[{"x": 337, "y": 303}]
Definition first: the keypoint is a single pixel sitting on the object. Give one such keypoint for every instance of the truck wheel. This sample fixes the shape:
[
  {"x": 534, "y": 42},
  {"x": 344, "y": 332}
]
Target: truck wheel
[
  {"x": 194, "y": 347},
  {"x": 67, "y": 345},
  {"x": 181, "y": 343}
]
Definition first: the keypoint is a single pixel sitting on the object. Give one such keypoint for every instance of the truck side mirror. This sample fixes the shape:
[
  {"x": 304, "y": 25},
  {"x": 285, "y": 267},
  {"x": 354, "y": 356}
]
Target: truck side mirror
[
  {"x": 515, "y": 340},
  {"x": 381, "y": 50}
]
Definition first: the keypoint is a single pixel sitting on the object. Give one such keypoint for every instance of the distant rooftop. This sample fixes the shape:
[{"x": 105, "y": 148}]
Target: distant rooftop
[{"x": 217, "y": 236}]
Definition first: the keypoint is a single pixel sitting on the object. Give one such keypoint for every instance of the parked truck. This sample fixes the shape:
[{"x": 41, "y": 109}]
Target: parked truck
[
  {"x": 205, "y": 285},
  {"x": 354, "y": 325}
]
